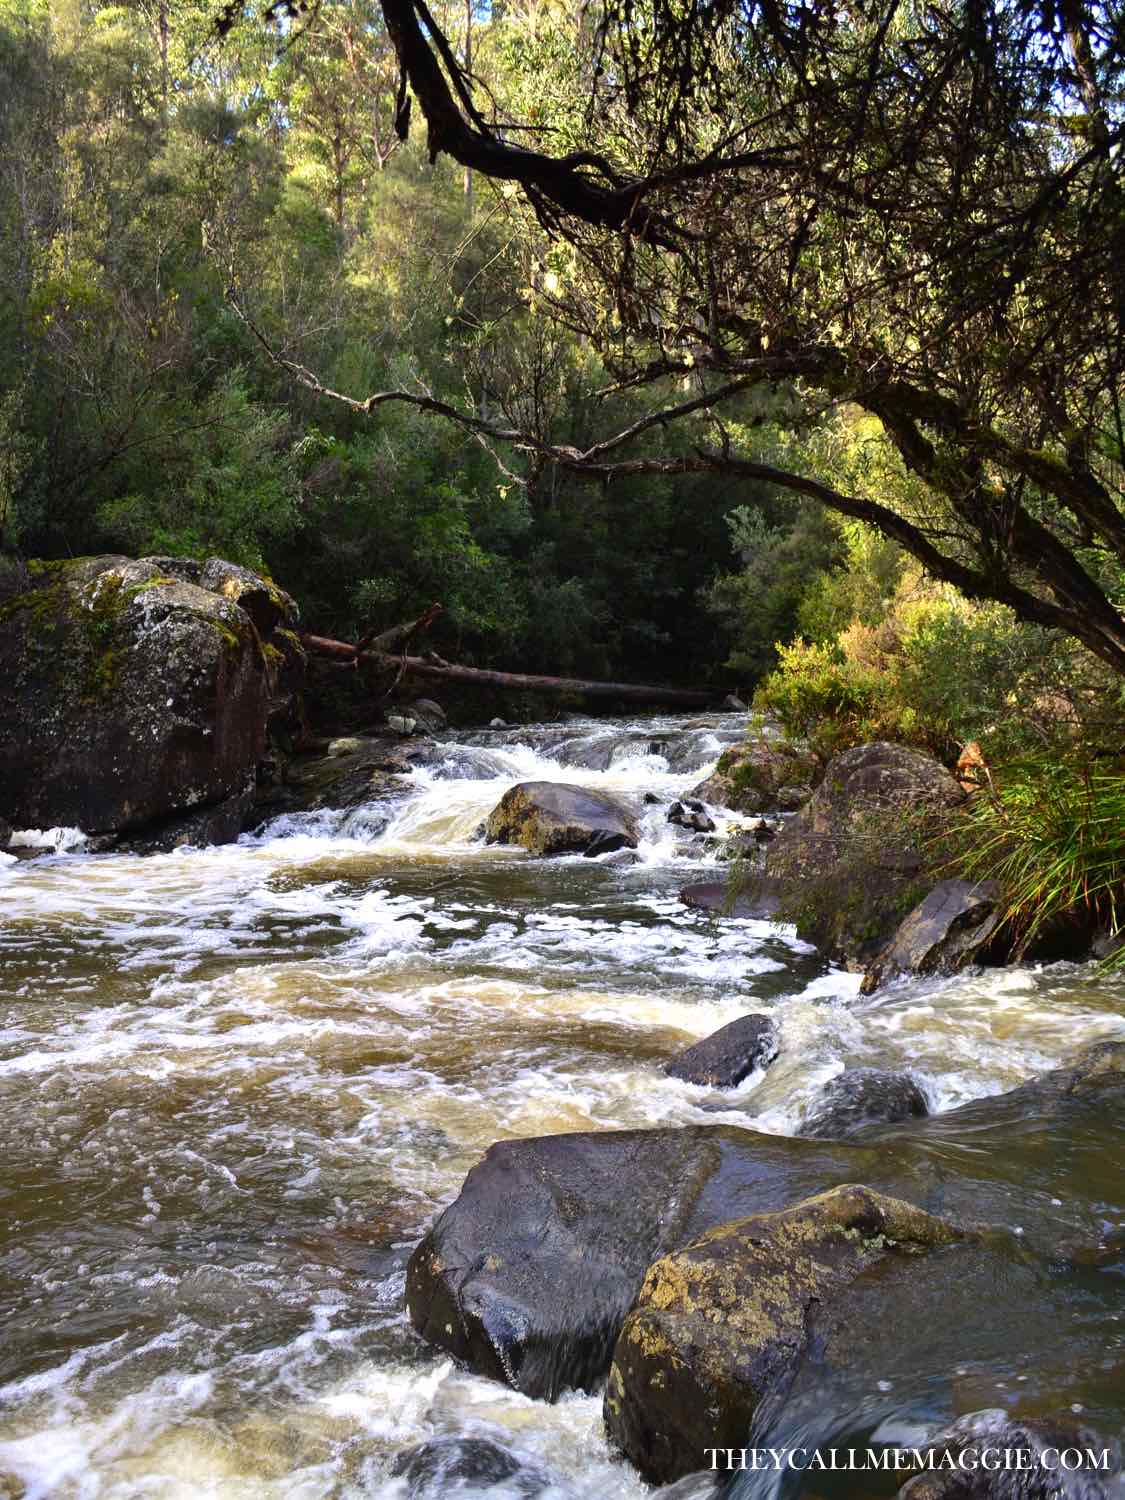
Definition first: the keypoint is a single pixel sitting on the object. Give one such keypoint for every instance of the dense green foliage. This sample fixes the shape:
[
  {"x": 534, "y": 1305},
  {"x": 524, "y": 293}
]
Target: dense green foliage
[{"x": 139, "y": 413}]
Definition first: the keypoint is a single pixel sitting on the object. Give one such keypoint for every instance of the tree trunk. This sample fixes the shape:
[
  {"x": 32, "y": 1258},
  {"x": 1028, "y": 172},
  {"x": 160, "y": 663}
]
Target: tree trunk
[{"x": 439, "y": 671}]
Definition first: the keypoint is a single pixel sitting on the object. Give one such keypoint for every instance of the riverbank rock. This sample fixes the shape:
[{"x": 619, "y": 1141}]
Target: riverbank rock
[
  {"x": 426, "y": 713},
  {"x": 723, "y": 1059},
  {"x": 848, "y": 866},
  {"x": 957, "y": 1468},
  {"x": 141, "y": 688},
  {"x": 546, "y": 817},
  {"x": 766, "y": 776},
  {"x": 864, "y": 1096},
  {"x": 946, "y": 930},
  {"x": 468, "y": 1466},
  {"x": 528, "y": 1275},
  {"x": 720, "y": 1327}
]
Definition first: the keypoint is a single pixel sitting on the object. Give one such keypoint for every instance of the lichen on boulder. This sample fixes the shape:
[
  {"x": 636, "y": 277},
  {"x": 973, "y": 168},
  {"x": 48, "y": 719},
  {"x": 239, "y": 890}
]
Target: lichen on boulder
[
  {"x": 546, "y": 817},
  {"x": 139, "y": 694},
  {"x": 720, "y": 1326}
]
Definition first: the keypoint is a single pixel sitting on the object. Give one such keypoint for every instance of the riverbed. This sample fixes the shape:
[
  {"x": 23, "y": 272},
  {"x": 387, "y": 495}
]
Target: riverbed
[{"x": 237, "y": 1084}]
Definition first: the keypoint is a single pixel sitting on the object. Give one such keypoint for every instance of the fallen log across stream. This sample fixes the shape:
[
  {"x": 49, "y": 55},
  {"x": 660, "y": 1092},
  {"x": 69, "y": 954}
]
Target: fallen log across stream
[{"x": 433, "y": 669}]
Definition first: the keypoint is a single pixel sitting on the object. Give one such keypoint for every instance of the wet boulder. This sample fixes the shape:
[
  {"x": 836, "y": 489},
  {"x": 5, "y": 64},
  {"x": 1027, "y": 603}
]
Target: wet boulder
[
  {"x": 967, "y": 1460},
  {"x": 430, "y": 716},
  {"x": 759, "y": 903},
  {"x": 729, "y": 1055},
  {"x": 691, "y": 814},
  {"x": 5, "y": 834},
  {"x": 721, "y": 1326},
  {"x": 849, "y": 865},
  {"x": 546, "y": 817},
  {"x": 948, "y": 929},
  {"x": 864, "y": 1096},
  {"x": 138, "y": 693},
  {"x": 449, "y": 1466},
  {"x": 528, "y": 1275},
  {"x": 1096, "y": 1068},
  {"x": 764, "y": 776}
]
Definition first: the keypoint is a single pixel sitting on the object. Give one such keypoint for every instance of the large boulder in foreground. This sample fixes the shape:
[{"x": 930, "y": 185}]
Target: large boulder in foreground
[
  {"x": 546, "y": 817},
  {"x": 528, "y": 1276},
  {"x": 728, "y": 1056},
  {"x": 136, "y": 692},
  {"x": 849, "y": 865},
  {"x": 720, "y": 1326},
  {"x": 764, "y": 776},
  {"x": 948, "y": 929}
]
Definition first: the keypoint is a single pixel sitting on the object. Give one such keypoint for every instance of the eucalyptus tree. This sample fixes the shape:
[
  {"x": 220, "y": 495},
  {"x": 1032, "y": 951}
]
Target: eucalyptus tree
[{"x": 910, "y": 207}]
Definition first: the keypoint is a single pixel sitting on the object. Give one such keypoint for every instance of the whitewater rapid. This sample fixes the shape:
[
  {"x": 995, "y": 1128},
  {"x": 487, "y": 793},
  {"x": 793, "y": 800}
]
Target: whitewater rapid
[{"x": 237, "y": 1083}]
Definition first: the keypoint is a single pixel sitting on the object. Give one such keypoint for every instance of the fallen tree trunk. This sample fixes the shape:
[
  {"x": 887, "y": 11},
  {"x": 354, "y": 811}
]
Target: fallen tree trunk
[{"x": 435, "y": 670}]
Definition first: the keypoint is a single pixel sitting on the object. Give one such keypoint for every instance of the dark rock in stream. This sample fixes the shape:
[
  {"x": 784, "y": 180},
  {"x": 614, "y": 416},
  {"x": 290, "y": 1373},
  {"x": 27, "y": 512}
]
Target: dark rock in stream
[
  {"x": 546, "y": 817},
  {"x": 719, "y": 1327},
  {"x": 5, "y": 834},
  {"x": 723, "y": 1059},
  {"x": 760, "y": 902},
  {"x": 944, "y": 932},
  {"x": 864, "y": 1096},
  {"x": 691, "y": 815},
  {"x": 469, "y": 1466},
  {"x": 960, "y": 1470},
  {"x": 528, "y": 1275}
]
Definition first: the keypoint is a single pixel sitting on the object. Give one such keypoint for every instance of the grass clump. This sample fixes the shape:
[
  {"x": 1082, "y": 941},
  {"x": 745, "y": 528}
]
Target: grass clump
[{"x": 1051, "y": 831}]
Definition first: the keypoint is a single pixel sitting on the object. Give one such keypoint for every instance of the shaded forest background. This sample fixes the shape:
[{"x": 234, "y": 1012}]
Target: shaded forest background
[{"x": 158, "y": 184}]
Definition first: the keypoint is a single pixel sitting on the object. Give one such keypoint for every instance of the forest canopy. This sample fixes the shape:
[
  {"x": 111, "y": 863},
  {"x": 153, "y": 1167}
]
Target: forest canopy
[{"x": 578, "y": 317}]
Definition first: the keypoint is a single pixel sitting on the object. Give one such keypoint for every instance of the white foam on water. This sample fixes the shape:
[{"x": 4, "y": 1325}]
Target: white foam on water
[{"x": 243, "y": 1065}]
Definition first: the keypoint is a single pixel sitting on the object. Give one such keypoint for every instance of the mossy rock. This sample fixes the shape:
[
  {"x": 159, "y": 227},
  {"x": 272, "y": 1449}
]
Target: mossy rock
[
  {"x": 135, "y": 695},
  {"x": 763, "y": 776},
  {"x": 851, "y": 864},
  {"x": 719, "y": 1327}
]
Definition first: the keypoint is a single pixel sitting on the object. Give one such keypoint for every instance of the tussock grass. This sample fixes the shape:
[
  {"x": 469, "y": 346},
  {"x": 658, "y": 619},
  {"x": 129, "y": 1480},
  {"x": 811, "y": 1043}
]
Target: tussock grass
[{"x": 1051, "y": 831}]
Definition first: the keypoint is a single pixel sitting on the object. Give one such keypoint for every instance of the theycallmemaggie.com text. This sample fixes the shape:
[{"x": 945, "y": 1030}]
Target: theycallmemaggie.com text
[{"x": 910, "y": 1460}]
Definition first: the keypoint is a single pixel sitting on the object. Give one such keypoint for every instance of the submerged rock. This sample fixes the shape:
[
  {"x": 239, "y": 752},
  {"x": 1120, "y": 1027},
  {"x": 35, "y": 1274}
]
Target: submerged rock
[
  {"x": 759, "y": 903},
  {"x": 528, "y": 1275},
  {"x": 720, "y": 1326},
  {"x": 723, "y": 1059},
  {"x": 960, "y": 1470},
  {"x": 766, "y": 776},
  {"x": 546, "y": 817},
  {"x": 864, "y": 1096},
  {"x": 848, "y": 865},
  {"x": 944, "y": 932},
  {"x": 468, "y": 1466},
  {"x": 141, "y": 689}
]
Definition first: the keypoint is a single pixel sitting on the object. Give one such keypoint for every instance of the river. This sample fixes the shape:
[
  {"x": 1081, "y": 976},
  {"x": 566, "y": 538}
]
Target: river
[{"x": 236, "y": 1084}]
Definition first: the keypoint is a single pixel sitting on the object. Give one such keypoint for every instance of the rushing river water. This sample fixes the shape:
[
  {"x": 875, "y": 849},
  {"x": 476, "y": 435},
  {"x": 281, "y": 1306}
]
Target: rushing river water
[{"x": 236, "y": 1084}]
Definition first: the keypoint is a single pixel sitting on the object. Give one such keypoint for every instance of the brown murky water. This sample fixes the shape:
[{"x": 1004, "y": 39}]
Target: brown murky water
[{"x": 236, "y": 1084}]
